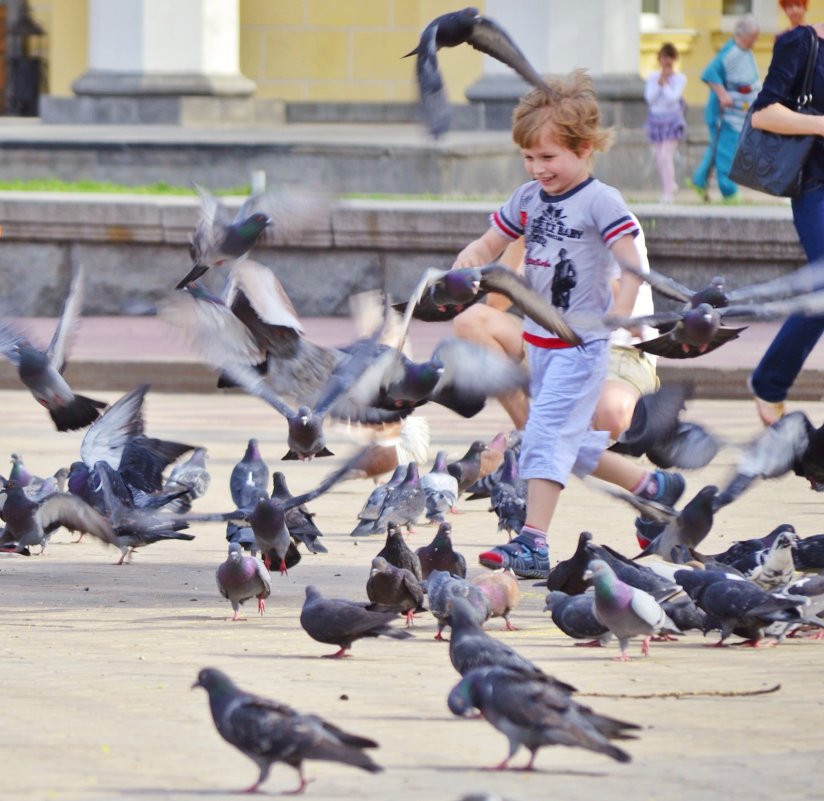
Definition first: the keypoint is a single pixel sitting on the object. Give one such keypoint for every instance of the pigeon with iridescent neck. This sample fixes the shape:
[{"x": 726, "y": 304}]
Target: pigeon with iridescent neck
[
  {"x": 440, "y": 555},
  {"x": 241, "y": 578},
  {"x": 627, "y": 611}
]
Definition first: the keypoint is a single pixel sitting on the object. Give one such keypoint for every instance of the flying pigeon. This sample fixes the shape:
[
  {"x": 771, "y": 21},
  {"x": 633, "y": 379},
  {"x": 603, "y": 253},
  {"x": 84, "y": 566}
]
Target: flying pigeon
[
  {"x": 268, "y": 732},
  {"x": 450, "y": 30},
  {"x": 191, "y": 477},
  {"x": 42, "y": 371},
  {"x": 442, "y": 294}
]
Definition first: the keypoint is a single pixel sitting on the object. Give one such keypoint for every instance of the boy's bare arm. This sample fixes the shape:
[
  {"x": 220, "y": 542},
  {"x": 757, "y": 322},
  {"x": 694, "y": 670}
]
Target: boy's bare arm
[
  {"x": 483, "y": 250},
  {"x": 626, "y": 291}
]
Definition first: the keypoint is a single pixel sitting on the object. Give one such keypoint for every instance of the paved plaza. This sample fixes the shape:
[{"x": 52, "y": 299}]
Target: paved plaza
[{"x": 98, "y": 660}]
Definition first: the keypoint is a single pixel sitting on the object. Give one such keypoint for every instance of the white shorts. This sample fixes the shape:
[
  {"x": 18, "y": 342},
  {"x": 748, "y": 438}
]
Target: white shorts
[{"x": 565, "y": 385}]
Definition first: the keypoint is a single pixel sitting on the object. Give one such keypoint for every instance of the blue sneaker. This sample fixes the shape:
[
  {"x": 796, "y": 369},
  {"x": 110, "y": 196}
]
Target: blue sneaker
[
  {"x": 669, "y": 487},
  {"x": 519, "y": 554},
  {"x": 647, "y": 530}
]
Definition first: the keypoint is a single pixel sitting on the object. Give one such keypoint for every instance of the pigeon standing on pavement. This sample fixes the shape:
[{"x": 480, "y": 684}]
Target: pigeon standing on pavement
[
  {"x": 241, "y": 577},
  {"x": 450, "y": 30},
  {"x": 471, "y": 647},
  {"x": 372, "y": 507},
  {"x": 442, "y": 589},
  {"x": 532, "y": 711},
  {"x": 249, "y": 480},
  {"x": 404, "y": 504},
  {"x": 394, "y": 587},
  {"x": 340, "y": 622},
  {"x": 575, "y": 616},
  {"x": 502, "y": 591},
  {"x": 627, "y": 611},
  {"x": 467, "y": 469},
  {"x": 440, "y": 489},
  {"x": 771, "y": 569},
  {"x": 440, "y": 555},
  {"x": 398, "y": 553},
  {"x": 508, "y": 497},
  {"x": 299, "y": 520},
  {"x": 268, "y": 732},
  {"x": 42, "y": 371}
]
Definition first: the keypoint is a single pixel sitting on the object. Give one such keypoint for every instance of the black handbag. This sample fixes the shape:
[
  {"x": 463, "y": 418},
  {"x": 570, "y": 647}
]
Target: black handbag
[{"x": 772, "y": 162}]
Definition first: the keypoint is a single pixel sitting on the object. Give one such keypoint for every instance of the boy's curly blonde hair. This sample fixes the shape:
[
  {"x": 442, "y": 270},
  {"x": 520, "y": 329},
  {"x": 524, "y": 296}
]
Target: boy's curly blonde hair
[{"x": 570, "y": 106}]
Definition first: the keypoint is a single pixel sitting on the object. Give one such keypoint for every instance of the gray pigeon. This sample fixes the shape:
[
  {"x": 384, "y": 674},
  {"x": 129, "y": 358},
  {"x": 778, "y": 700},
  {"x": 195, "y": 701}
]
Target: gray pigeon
[
  {"x": 192, "y": 478},
  {"x": 443, "y": 588},
  {"x": 394, "y": 588},
  {"x": 339, "y": 622},
  {"x": 42, "y": 371},
  {"x": 627, "y": 611},
  {"x": 575, "y": 616},
  {"x": 404, "y": 504},
  {"x": 241, "y": 577},
  {"x": 299, "y": 520},
  {"x": 772, "y": 568},
  {"x": 269, "y": 732},
  {"x": 736, "y": 606},
  {"x": 372, "y": 507},
  {"x": 508, "y": 497},
  {"x": 440, "y": 488},
  {"x": 440, "y": 555},
  {"x": 686, "y": 528},
  {"x": 532, "y": 711},
  {"x": 471, "y": 647},
  {"x": 31, "y": 522},
  {"x": 450, "y": 30},
  {"x": 249, "y": 481},
  {"x": 772, "y": 453},
  {"x": 398, "y": 553}
]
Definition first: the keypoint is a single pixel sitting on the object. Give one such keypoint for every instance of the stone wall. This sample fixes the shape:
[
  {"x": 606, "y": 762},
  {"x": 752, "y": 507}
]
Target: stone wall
[{"x": 135, "y": 248}]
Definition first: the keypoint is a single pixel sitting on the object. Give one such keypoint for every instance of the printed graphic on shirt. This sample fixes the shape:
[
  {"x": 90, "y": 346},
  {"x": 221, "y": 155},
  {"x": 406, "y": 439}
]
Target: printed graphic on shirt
[
  {"x": 564, "y": 280},
  {"x": 550, "y": 224}
]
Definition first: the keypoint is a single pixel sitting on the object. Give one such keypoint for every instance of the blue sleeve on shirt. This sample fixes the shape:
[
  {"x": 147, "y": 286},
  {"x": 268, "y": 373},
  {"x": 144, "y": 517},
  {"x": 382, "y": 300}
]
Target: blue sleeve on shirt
[{"x": 786, "y": 70}]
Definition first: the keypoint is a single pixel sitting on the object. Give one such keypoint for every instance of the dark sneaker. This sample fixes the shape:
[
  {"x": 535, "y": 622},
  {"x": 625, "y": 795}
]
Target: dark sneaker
[
  {"x": 647, "y": 530},
  {"x": 521, "y": 556},
  {"x": 669, "y": 487}
]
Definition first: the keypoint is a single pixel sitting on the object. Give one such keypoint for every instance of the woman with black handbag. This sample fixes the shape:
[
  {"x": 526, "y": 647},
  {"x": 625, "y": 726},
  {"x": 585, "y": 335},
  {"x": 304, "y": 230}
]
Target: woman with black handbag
[{"x": 773, "y": 110}]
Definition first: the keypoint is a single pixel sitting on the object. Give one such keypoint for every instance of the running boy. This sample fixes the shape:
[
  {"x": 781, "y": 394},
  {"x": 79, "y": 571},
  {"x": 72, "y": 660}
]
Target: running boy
[{"x": 571, "y": 224}]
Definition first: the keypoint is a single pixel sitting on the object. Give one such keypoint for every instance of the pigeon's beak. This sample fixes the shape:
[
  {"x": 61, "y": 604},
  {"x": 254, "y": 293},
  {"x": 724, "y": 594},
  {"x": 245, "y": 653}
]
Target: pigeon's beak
[
  {"x": 587, "y": 575},
  {"x": 196, "y": 684}
]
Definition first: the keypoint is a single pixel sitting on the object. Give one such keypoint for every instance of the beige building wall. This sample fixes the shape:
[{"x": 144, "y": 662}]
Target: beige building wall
[
  {"x": 334, "y": 50},
  {"x": 316, "y": 50}
]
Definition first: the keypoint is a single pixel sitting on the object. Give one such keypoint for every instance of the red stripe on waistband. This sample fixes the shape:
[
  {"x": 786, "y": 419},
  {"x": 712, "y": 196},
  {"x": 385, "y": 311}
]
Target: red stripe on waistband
[{"x": 550, "y": 343}]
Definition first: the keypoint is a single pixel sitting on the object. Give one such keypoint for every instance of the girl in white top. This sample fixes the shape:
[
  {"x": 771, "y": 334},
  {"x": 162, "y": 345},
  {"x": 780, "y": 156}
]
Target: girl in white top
[{"x": 665, "y": 125}]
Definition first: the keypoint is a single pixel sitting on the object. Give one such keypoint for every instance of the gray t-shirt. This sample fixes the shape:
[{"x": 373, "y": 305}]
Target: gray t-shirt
[{"x": 567, "y": 238}]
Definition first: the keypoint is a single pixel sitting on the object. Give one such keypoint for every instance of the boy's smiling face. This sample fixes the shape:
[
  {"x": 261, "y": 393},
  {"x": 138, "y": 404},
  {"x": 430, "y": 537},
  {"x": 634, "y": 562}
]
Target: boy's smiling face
[{"x": 557, "y": 168}]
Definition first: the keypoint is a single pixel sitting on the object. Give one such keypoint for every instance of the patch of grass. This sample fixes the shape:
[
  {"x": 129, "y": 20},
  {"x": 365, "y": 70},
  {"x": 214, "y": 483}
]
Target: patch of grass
[{"x": 107, "y": 187}]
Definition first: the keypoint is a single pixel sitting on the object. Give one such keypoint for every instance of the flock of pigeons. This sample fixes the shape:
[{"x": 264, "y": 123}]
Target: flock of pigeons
[{"x": 130, "y": 490}]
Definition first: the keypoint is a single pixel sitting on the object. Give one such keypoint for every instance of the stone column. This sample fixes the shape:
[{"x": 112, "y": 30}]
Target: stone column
[
  {"x": 602, "y": 36},
  {"x": 159, "y": 61}
]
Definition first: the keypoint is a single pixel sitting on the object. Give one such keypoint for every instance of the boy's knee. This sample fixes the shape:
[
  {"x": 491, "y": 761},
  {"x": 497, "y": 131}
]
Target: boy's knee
[{"x": 613, "y": 415}]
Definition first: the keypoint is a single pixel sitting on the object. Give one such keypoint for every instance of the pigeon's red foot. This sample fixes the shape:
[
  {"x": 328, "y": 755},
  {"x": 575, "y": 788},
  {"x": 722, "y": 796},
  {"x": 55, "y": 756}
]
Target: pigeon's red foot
[
  {"x": 509, "y": 626},
  {"x": 590, "y": 644},
  {"x": 337, "y": 655}
]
